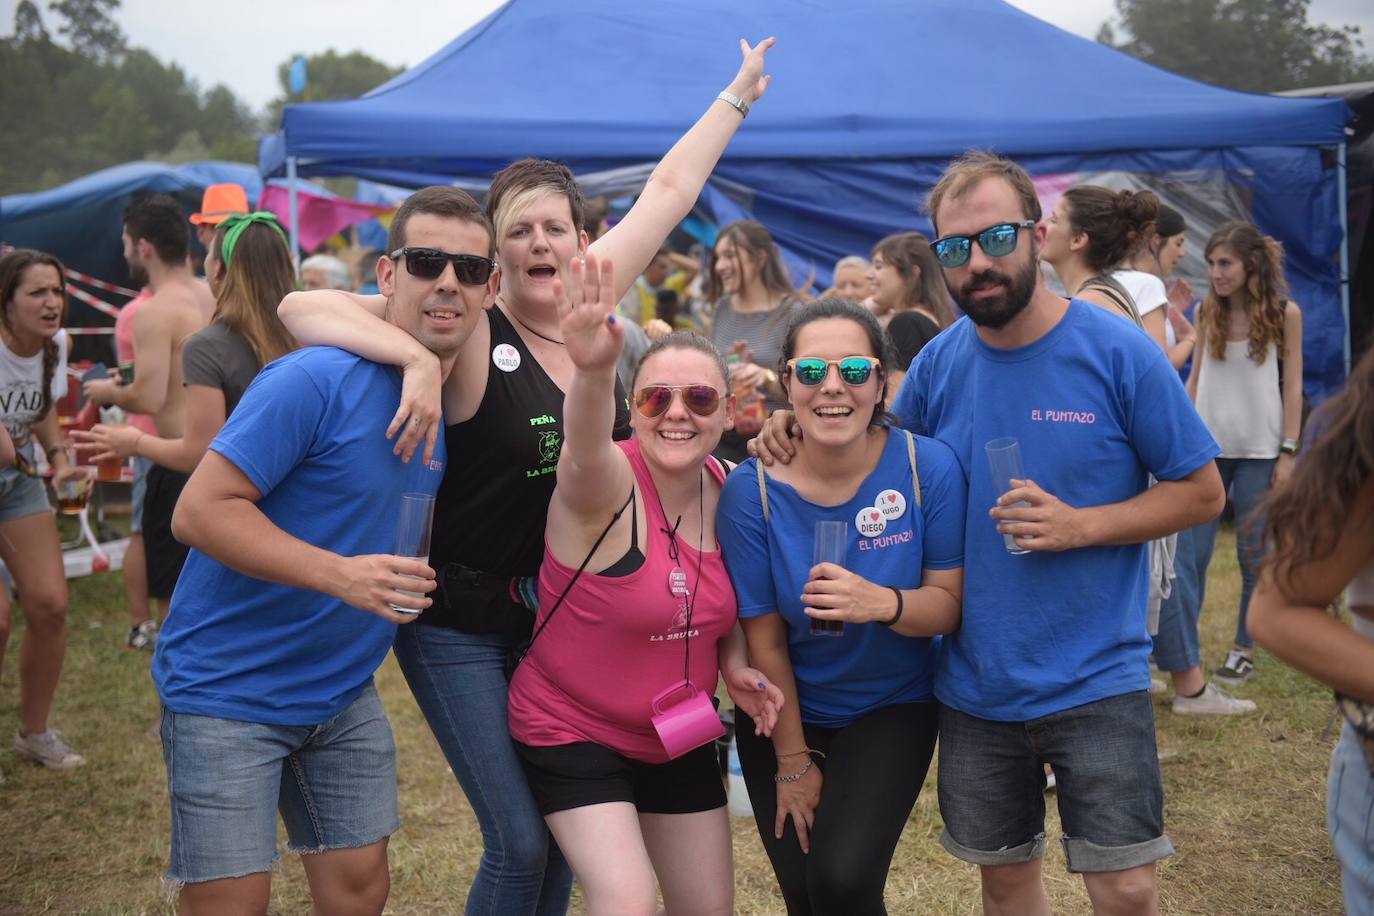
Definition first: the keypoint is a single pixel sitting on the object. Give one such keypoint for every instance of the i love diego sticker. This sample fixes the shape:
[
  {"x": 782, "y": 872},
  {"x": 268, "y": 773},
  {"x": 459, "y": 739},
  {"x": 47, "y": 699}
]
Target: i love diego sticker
[
  {"x": 891, "y": 504},
  {"x": 870, "y": 522}
]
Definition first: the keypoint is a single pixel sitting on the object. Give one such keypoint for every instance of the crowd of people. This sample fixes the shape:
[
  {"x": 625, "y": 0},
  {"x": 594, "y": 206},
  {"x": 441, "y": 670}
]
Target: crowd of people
[{"x": 640, "y": 465}]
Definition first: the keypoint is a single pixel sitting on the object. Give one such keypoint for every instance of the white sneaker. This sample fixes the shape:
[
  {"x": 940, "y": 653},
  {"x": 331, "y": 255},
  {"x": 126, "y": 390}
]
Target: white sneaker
[
  {"x": 1157, "y": 686},
  {"x": 47, "y": 748},
  {"x": 1213, "y": 701}
]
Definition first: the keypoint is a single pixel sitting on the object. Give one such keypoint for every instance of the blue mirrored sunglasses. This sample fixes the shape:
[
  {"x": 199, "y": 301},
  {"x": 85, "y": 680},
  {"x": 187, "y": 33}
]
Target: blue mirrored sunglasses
[{"x": 996, "y": 241}]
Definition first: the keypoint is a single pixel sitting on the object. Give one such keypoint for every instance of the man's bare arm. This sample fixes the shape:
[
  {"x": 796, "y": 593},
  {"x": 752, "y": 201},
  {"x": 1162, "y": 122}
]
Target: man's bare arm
[
  {"x": 218, "y": 515},
  {"x": 153, "y": 344}
]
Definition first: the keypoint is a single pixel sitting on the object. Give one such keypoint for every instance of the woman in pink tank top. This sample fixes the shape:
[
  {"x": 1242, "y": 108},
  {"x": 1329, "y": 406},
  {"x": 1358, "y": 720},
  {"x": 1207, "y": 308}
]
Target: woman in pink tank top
[{"x": 641, "y": 619}]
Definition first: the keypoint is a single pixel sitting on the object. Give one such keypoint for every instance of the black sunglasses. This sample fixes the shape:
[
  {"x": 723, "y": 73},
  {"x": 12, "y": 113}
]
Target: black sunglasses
[
  {"x": 996, "y": 241},
  {"x": 428, "y": 264}
]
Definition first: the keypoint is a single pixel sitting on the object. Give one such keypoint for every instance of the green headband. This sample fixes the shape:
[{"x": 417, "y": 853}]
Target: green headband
[{"x": 235, "y": 225}]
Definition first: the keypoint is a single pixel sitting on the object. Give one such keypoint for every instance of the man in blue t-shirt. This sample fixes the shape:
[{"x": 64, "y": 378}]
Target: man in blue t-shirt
[
  {"x": 290, "y": 598},
  {"x": 1050, "y": 663}
]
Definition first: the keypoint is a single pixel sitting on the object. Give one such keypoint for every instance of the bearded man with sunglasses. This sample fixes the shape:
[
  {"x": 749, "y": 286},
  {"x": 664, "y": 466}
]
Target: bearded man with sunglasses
[
  {"x": 265, "y": 664},
  {"x": 1049, "y": 665}
]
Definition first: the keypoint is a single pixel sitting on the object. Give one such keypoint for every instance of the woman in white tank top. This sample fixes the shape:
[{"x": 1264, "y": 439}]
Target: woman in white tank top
[
  {"x": 1321, "y": 528},
  {"x": 1247, "y": 330}
]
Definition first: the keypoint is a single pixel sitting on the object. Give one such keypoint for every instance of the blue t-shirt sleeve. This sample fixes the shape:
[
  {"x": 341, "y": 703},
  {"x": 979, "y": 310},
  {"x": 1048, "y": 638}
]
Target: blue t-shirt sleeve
[
  {"x": 743, "y": 536},
  {"x": 909, "y": 405},
  {"x": 1165, "y": 429},
  {"x": 944, "y": 501},
  {"x": 271, "y": 430}
]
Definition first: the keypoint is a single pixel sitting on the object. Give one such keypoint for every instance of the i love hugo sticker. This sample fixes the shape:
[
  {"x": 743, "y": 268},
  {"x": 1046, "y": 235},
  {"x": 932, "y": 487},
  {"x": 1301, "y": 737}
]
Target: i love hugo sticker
[
  {"x": 891, "y": 504},
  {"x": 505, "y": 357},
  {"x": 870, "y": 522}
]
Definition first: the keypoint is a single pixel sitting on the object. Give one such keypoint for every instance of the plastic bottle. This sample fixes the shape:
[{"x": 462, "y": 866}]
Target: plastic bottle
[
  {"x": 738, "y": 803},
  {"x": 750, "y": 409}
]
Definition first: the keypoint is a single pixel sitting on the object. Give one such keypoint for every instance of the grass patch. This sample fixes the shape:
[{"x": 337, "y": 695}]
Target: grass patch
[{"x": 1245, "y": 798}]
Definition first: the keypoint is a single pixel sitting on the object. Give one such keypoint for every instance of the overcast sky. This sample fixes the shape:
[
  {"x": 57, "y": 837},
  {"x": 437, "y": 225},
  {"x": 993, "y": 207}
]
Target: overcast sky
[{"x": 241, "y": 42}]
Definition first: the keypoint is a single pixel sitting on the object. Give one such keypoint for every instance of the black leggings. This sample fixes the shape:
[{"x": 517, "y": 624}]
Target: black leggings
[{"x": 873, "y": 768}]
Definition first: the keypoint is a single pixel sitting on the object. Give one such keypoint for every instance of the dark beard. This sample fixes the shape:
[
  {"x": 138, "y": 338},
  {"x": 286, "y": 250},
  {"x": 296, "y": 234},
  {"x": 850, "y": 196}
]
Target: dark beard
[
  {"x": 138, "y": 275},
  {"x": 997, "y": 312}
]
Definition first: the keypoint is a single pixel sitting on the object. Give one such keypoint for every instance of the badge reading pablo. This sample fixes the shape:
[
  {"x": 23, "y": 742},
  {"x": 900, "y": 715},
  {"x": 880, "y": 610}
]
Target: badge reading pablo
[{"x": 505, "y": 357}]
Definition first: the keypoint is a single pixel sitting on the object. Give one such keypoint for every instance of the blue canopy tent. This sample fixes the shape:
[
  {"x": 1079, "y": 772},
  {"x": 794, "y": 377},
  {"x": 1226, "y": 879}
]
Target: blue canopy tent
[
  {"x": 870, "y": 99},
  {"x": 80, "y": 221}
]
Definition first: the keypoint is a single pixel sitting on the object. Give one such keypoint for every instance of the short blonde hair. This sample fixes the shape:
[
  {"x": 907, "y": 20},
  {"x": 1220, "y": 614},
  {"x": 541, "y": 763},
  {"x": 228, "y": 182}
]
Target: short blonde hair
[{"x": 961, "y": 175}]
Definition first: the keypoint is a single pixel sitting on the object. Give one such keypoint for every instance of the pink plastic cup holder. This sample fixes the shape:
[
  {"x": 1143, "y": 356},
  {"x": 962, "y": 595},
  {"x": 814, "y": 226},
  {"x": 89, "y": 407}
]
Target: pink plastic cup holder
[{"x": 687, "y": 723}]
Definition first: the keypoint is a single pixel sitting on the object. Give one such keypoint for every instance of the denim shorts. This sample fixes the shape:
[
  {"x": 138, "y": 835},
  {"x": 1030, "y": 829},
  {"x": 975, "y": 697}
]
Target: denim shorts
[
  {"x": 140, "y": 487},
  {"x": 1350, "y": 819},
  {"x": 1111, "y": 798},
  {"x": 334, "y": 784},
  {"x": 21, "y": 495}
]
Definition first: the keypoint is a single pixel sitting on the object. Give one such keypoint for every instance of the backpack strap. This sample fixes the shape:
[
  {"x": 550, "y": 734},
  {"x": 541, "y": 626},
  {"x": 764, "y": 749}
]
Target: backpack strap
[
  {"x": 915, "y": 475},
  {"x": 1116, "y": 293},
  {"x": 763, "y": 491}
]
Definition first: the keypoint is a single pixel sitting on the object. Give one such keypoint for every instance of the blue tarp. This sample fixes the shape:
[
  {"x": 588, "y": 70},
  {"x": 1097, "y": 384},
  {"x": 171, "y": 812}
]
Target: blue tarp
[
  {"x": 81, "y": 221},
  {"x": 869, "y": 99}
]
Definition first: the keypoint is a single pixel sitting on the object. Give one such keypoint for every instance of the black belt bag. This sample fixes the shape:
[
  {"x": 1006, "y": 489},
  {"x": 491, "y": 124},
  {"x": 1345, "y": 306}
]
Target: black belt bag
[{"x": 477, "y": 602}]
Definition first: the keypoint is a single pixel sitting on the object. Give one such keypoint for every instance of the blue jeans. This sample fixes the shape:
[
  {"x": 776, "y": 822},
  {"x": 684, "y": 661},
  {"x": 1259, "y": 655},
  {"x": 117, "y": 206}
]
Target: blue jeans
[
  {"x": 1350, "y": 819},
  {"x": 1248, "y": 481},
  {"x": 1176, "y": 645},
  {"x": 459, "y": 681},
  {"x": 334, "y": 784}
]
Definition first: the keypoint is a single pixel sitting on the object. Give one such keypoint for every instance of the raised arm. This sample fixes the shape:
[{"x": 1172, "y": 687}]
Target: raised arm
[
  {"x": 593, "y": 473},
  {"x": 676, "y": 182}
]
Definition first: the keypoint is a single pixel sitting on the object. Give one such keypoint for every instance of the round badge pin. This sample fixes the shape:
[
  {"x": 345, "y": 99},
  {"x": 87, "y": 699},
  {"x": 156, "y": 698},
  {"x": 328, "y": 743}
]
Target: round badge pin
[
  {"x": 870, "y": 522},
  {"x": 505, "y": 357},
  {"x": 891, "y": 504}
]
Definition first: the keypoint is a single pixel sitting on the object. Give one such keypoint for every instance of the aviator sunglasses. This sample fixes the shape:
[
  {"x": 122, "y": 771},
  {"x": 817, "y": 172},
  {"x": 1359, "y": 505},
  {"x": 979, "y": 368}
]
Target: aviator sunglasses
[
  {"x": 428, "y": 264},
  {"x": 811, "y": 370},
  {"x": 653, "y": 400},
  {"x": 996, "y": 241}
]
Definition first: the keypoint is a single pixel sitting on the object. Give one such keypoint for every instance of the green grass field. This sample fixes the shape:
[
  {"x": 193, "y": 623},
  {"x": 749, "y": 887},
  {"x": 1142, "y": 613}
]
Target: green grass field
[{"x": 1245, "y": 798}]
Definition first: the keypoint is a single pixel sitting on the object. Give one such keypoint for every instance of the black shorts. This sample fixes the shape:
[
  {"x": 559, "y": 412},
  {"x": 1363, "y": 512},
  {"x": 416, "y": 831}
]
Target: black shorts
[
  {"x": 165, "y": 554},
  {"x": 576, "y": 775}
]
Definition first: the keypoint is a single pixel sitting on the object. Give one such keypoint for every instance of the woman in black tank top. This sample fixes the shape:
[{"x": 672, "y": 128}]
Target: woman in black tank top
[{"x": 502, "y": 406}]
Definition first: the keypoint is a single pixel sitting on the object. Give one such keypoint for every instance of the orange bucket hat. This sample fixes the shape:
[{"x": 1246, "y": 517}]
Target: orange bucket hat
[{"x": 220, "y": 202}]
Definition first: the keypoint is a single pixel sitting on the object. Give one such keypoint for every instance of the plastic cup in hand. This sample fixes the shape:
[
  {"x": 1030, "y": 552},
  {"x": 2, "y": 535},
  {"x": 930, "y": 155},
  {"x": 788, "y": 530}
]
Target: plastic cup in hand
[
  {"x": 1004, "y": 460},
  {"x": 412, "y": 535},
  {"x": 832, "y": 543},
  {"x": 73, "y": 492}
]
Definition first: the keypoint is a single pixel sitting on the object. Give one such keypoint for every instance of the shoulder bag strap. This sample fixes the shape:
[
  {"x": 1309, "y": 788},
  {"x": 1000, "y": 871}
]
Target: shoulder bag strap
[{"x": 580, "y": 569}]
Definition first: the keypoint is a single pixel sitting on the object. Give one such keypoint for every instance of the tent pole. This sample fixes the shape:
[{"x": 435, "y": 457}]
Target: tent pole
[
  {"x": 1345, "y": 251},
  {"x": 295, "y": 231}
]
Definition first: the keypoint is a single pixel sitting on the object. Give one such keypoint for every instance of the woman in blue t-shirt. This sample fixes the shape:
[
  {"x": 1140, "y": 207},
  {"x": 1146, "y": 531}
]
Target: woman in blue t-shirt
[{"x": 834, "y": 787}]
